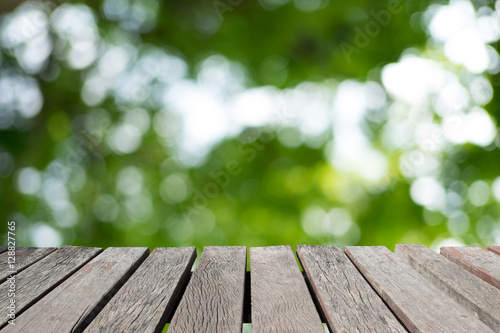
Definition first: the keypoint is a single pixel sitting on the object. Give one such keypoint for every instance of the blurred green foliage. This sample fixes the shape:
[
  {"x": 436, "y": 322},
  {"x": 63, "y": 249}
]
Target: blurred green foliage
[{"x": 278, "y": 192}]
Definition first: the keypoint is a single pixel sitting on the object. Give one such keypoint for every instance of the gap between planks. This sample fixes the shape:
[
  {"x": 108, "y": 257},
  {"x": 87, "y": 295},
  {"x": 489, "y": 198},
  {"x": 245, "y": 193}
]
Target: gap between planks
[{"x": 314, "y": 298}]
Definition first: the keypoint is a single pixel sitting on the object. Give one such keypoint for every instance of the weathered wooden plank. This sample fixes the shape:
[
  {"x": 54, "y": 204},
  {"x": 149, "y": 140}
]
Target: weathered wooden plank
[
  {"x": 24, "y": 257},
  {"x": 421, "y": 306},
  {"x": 494, "y": 249},
  {"x": 347, "y": 300},
  {"x": 145, "y": 302},
  {"x": 281, "y": 301},
  {"x": 480, "y": 262},
  {"x": 468, "y": 290},
  {"x": 74, "y": 303},
  {"x": 41, "y": 277},
  {"x": 3, "y": 249},
  {"x": 213, "y": 300}
]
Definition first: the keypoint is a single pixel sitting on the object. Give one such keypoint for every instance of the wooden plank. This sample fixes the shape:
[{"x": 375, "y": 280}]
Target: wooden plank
[
  {"x": 480, "y": 262},
  {"x": 421, "y": 306},
  {"x": 40, "y": 278},
  {"x": 347, "y": 300},
  {"x": 24, "y": 257},
  {"x": 468, "y": 290},
  {"x": 3, "y": 249},
  {"x": 145, "y": 302},
  {"x": 74, "y": 303},
  {"x": 281, "y": 301},
  {"x": 494, "y": 249},
  {"x": 213, "y": 300}
]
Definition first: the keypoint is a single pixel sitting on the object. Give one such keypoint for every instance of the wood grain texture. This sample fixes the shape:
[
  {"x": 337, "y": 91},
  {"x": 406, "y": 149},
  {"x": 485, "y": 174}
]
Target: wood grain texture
[
  {"x": 74, "y": 303},
  {"x": 281, "y": 301},
  {"x": 347, "y": 300},
  {"x": 468, "y": 290},
  {"x": 213, "y": 300},
  {"x": 147, "y": 299},
  {"x": 494, "y": 249},
  {"x": 3, "y": 249},
  {"x": 41, "y": 277},
  {"x": 421, "y": 306},
  {"x": 480, "y": 262},
  {"x": 24, "y": 256}
]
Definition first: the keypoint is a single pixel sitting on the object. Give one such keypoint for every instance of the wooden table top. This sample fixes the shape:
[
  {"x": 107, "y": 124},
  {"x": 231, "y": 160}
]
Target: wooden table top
[{"x": 361, "y": 289}]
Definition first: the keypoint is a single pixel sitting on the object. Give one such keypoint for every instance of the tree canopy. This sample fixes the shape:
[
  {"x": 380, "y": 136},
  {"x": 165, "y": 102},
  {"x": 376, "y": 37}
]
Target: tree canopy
[{"x": 233, "y": 122}]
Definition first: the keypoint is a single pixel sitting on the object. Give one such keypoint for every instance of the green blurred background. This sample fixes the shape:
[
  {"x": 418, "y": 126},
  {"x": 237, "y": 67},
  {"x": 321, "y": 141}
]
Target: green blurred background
[{"x": 236, "y": 122}]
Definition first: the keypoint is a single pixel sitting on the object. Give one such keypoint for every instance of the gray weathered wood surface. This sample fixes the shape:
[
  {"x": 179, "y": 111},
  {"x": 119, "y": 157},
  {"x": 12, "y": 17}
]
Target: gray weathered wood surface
[
  {"x": 347, "y": 300},
  {"x": 76, "y": 289},
  {"x": 480, "y": 262},
  {"x": 468, "y": 290},
  {"x": 420, "y": 305},
  {"x": 280, "y": 299},
  {"x": 148, "y": 297},
  {"x": 41, "y": 277},
  {"x": 213, "y": 300},
  {"x": 3, "y": 249},
  {"x": 494, "y": 249},
  {"x": 71, "y": 305},
  {"x": 24, "y": 257}
]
